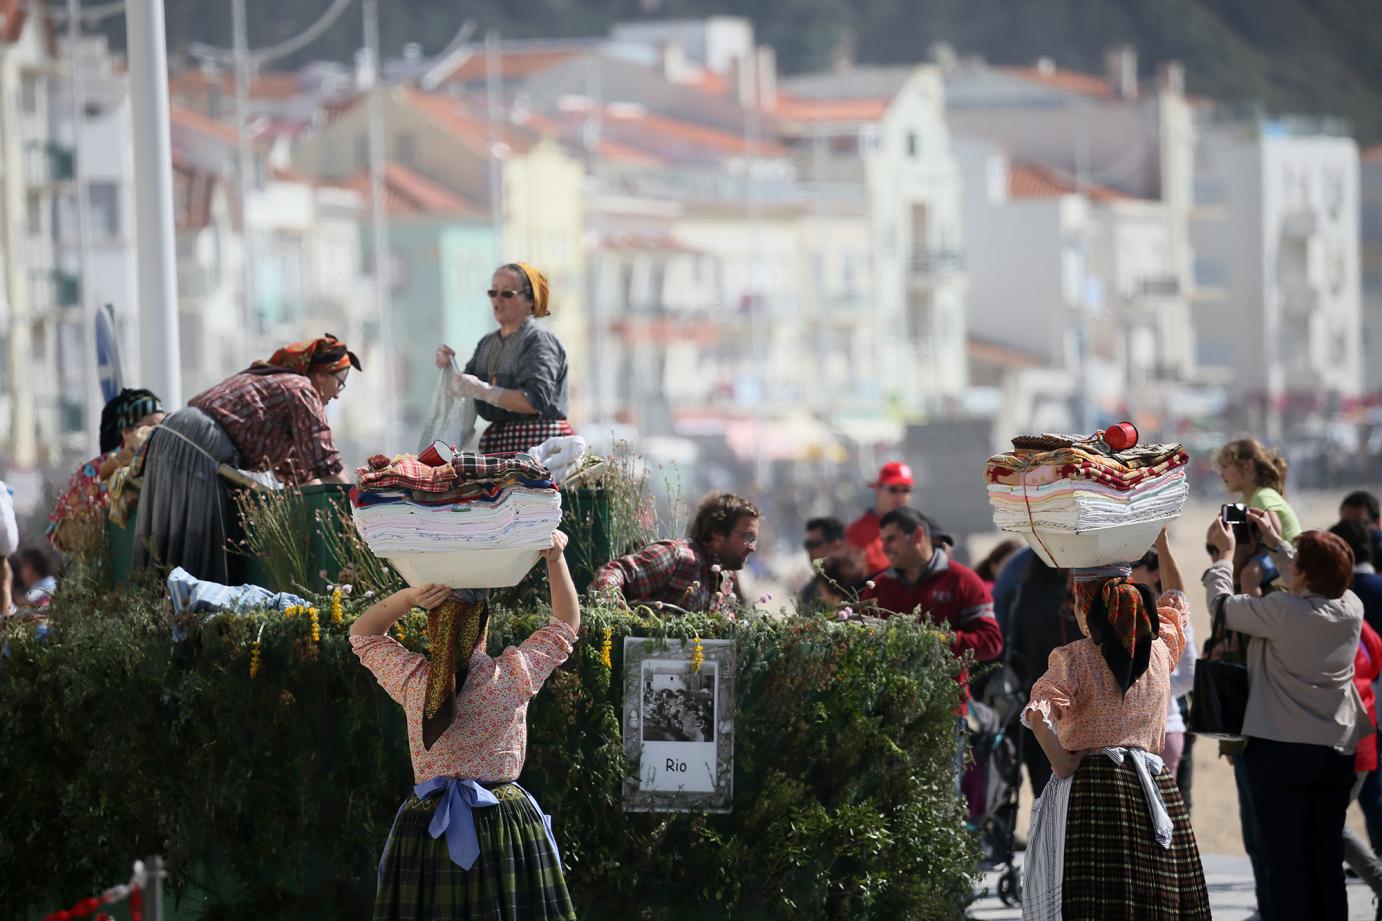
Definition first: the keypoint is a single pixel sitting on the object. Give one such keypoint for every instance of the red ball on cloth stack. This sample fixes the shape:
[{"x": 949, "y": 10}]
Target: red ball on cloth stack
[{"x": 1120, "y": 437}]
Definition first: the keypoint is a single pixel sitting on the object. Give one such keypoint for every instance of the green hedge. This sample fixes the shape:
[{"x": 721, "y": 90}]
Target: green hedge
[{"x": 271, "y": 796}]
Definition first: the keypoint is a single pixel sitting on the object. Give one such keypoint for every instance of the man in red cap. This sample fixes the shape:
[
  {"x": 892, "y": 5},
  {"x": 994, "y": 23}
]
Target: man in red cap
[{"x": 893, "y": 489}]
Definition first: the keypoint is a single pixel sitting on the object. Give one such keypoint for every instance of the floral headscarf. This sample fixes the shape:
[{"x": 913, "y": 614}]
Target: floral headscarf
[
  {"x": 327, "y": 354},
  {"x": 454, "y": 628},
  {"x": 1120, "y": 616}
]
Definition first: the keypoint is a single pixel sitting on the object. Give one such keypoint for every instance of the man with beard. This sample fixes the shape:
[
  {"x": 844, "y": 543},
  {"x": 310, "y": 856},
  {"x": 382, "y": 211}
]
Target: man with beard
[{"x": 688, "y": 573}]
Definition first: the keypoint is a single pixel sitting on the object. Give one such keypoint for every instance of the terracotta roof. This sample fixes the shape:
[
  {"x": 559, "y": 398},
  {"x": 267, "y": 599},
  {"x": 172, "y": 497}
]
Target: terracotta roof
[
  {"x": 274, "y": 84},
  {"x": 657, "y": 242},
  {"x": 187, "y": 119},
  {"x": 407, "y": 193},
  {"x": 512, "y": 63},
  {"x": 1069, "y": 81},
  {"x": 462, "y": 121},
  {"x": 1037, "y": 180},
  {"x": 795, "y": 108},
  {"x": 569, "y": 131},
  {"x": 1003, "y": 356},
  {"x": 13, "y": 15},
  {"x": 665, "y": 129}
]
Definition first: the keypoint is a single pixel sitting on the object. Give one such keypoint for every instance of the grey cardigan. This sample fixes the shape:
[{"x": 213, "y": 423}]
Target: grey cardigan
[{"x": 1300, "y": 660}]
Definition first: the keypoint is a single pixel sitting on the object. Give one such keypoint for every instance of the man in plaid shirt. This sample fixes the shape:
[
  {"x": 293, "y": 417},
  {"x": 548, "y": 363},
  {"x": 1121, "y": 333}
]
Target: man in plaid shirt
[{"x": 679, "y": 572}]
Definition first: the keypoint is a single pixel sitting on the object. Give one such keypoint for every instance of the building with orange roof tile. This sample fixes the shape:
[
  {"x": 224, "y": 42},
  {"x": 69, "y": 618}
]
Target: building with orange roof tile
[
  {"x": 881, "y": 132},
  {"x": 1073, "y": 273},
  {"x": 1114, "y": 134}
]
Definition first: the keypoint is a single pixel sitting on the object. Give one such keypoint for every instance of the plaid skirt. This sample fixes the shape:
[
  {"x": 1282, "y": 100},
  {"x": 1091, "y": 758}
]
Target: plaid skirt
[
  {"x": 1114, "y": 869},
  {"x": 517, "y": 876},
  {"x": 512, "y": 437}
]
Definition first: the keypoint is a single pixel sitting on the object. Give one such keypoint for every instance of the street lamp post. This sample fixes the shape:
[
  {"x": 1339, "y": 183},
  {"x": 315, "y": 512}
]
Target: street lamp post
[{"x": 160, "y": 362}]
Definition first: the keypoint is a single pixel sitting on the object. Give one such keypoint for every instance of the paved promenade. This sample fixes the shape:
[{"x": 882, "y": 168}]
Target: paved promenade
[{"x": 1230, "y": 894}]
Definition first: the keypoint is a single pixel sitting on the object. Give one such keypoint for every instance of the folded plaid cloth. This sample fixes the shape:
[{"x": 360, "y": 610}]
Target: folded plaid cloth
[{"x": 467, "y": 475}]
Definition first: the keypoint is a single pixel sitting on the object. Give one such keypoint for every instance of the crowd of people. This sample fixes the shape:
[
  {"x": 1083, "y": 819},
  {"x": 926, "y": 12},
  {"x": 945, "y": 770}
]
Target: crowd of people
[{"x": 1104, "y": 660}]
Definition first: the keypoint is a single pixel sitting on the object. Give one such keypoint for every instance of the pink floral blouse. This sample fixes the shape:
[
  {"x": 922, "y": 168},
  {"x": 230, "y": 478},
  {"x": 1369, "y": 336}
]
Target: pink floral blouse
[
  {"x": 489, "y": 737},
  {"x": 1082, "y": 704}
]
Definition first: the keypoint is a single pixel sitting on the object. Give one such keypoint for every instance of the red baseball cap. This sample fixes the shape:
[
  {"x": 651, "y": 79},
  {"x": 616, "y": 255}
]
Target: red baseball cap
[{"x": 893, "y": 473}]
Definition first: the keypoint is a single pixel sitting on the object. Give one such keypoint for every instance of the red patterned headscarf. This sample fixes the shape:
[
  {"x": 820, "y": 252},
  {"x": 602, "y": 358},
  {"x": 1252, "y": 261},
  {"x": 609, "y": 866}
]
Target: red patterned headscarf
[
  {"x": 327, "y": 354},
  {"x": 1120, "y": 616}
]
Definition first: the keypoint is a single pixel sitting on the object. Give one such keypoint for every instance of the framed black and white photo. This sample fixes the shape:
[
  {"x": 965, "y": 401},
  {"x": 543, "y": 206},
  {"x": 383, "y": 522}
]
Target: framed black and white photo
[{"x": 678, "y": 725}]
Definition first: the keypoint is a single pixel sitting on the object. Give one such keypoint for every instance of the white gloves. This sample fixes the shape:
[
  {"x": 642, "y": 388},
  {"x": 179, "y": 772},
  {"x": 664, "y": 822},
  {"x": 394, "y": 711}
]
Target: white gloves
[
  {"x": 560, "y": 455},
  {"x": 468, "y": 385}
]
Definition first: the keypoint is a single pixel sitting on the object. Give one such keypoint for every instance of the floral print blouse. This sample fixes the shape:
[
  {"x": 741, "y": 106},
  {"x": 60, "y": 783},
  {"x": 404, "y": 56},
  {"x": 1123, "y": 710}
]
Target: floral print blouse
[
  {"x": 1083, "y": 705},
  {"x": 489, "y": 737}
]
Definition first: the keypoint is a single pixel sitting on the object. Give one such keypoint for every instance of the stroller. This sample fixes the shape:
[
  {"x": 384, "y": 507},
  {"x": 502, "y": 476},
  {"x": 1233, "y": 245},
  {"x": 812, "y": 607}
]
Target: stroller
[{"x": 995, "y": 736}]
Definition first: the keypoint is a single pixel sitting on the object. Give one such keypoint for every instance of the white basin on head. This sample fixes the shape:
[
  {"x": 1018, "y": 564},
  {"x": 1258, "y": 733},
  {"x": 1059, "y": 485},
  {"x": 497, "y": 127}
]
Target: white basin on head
[
  {"x": 1119, "y": 543},
  {"x": 465, "y": 568}
]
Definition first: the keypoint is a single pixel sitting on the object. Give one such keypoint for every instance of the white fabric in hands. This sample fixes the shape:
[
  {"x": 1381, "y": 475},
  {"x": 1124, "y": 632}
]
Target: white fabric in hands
[
  {"x": 560, "y": 455},
  {"x": 450, "y": 417}
]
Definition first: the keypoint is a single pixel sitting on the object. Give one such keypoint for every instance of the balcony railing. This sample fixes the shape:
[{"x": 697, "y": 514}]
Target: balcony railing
[
  {"x": 935, "y": 263},
  {"x": 47, "y": 163}
]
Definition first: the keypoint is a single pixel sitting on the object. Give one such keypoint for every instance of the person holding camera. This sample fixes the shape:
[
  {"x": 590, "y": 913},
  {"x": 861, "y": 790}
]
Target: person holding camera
[{"x": 1304, "y": 716}]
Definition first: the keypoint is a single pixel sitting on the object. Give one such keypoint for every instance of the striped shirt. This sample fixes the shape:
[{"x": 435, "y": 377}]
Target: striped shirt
[
  {"x": 532, "y": 361},
  {"x": 277, "y": 422}
]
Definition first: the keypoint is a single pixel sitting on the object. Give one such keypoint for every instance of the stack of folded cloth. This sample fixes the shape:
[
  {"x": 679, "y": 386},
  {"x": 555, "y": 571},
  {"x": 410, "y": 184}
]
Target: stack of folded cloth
[
  {"x": 1059, "y": 482},
  {"x": 472, "y": 501}
]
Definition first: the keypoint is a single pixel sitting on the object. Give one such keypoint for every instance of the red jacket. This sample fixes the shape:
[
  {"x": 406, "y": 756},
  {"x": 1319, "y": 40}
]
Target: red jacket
[
  {"x": 1367, "y": 665},
  {"x": 949, "y": 594},
  {"x": 863, "y": 534}
]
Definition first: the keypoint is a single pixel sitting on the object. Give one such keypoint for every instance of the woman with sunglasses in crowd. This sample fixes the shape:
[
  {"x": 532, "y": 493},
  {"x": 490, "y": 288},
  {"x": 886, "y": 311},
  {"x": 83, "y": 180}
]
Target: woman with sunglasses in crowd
[
  {"x": 271, "y": 416},
  {"x": 517, "y": 375}
]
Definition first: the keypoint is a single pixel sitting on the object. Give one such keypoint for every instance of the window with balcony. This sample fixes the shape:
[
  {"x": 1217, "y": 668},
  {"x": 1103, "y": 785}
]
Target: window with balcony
[{"x": 103, "y": 204}]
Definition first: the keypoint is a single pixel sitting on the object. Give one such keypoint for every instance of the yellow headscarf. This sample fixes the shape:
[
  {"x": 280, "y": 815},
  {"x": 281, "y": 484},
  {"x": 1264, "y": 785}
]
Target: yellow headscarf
[{"x": 538, "y": 282}]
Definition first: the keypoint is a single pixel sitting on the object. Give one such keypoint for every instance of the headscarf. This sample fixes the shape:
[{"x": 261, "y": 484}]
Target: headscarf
[
  {"x": 1120, "y": 616},
  {"x": 123, "y": 410},
  {"x": 327, "y": 354},
  {"x": 454, "y": 629},
  {"x": 538, "y": 282}
]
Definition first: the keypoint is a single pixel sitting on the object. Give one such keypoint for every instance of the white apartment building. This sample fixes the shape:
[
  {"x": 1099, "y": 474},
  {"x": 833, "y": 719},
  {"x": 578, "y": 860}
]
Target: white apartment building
[
  {"x": 1074, "y": 276},
  {"x": 1276, "y": 241},
  {"x": 37, "y": 300},
  {"x": 1113, "y": 132},
  {"x": 1370, "y": 190},
  {"x": 879, "y": 136}
]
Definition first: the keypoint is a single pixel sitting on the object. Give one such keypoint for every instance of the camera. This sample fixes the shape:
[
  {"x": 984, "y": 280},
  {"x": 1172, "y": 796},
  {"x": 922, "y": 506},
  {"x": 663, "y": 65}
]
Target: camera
[{"x": 1233, "y": 513}]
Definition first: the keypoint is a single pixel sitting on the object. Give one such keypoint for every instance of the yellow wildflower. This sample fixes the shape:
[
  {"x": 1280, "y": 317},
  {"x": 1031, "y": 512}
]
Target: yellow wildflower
[
  {"x": 316, "y": 625},
  {"x": 697, "y": 654},
  {"x": 337, "y": 612},
  {"x": 607, "y": 646}
]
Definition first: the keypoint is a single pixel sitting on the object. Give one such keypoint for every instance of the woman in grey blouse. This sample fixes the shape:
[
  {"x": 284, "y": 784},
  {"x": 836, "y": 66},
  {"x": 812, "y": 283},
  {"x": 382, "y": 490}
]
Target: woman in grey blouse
[
  {"x": 518, "y": 372},
  {"x": 1304, "y": 717}
]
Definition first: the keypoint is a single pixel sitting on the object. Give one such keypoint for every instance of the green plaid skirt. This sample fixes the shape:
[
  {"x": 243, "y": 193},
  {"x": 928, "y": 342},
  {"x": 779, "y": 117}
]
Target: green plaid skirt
[
  {"x": 1114, "y": 869},
  {"x": 516, "y": 878}
]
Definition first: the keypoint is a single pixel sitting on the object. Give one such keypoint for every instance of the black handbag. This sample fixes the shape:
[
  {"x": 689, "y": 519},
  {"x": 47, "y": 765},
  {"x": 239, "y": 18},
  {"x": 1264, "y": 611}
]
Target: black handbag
[{"x": 1220, "y": 696}]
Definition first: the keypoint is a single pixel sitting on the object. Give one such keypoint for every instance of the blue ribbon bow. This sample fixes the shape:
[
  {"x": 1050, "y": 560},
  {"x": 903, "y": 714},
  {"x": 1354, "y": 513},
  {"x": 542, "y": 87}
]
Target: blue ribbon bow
[{"x": 454, "y": 819}]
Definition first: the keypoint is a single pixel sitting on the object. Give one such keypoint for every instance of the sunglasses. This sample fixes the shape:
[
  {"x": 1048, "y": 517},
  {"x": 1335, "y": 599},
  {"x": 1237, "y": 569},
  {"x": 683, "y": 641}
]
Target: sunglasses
[
  {"x": 899, "y": 490},
  {"x": 813, "y": 543},
  {"x": 340, "y": 381},
  {"x": 506, "y": 294}
]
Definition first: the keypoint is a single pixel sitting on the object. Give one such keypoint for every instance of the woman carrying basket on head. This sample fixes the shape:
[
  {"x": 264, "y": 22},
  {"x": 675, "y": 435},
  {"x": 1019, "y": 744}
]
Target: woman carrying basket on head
[
  {"x": 469, "y": 842},
  {"x": 1111, "y": 838},
  {"x": 517, "y": 375}
]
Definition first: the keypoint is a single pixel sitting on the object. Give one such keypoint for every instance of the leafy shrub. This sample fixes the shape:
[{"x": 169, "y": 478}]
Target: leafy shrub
[{"x": 271, "y": 796}]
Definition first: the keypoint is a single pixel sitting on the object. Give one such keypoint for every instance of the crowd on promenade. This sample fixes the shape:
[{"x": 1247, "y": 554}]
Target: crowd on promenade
[{"x": 1103, "y": 661}]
